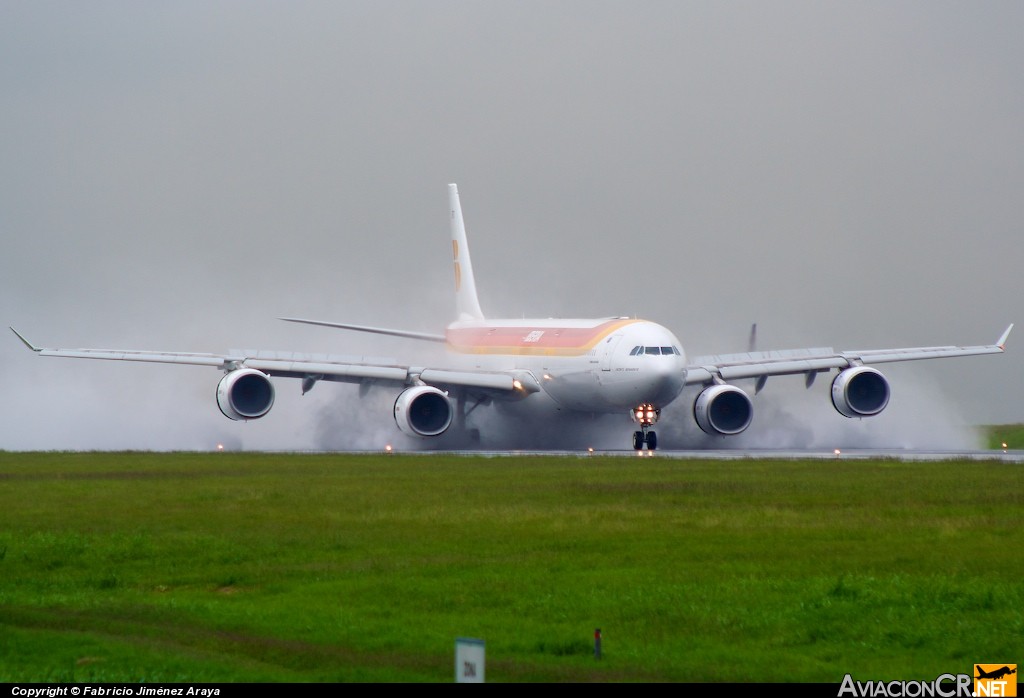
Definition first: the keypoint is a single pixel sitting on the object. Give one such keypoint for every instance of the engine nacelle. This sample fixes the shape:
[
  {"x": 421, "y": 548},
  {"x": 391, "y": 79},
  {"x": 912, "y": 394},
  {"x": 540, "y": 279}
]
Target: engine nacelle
[
  {"x": 860, "y": 392},
  {"x": 723, "y": 409},
  {"x": 245, "y": 394},
  {"x": 423, "y": 411}
]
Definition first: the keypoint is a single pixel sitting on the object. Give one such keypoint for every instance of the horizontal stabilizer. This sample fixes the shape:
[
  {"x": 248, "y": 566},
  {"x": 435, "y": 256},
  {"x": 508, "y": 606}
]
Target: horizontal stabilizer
[{"x": 424, "y": 336}]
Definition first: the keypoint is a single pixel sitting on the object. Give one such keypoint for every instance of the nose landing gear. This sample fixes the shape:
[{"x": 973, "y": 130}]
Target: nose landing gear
[
  {"x": 639, "y": 437},
  {"x": 646, "y": 416}
]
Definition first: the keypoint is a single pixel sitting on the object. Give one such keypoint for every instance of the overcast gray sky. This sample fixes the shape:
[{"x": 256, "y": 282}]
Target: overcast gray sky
[{"x": 176, "y": 175}]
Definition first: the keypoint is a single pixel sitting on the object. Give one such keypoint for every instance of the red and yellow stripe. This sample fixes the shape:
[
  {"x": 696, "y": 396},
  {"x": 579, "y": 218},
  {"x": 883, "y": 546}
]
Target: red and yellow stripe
[{"x": 527, "y": 340}]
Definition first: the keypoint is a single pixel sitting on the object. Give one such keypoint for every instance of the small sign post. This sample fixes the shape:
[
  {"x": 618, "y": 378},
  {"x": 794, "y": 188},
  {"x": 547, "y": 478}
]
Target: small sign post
[{"x": 469, "y": 660}]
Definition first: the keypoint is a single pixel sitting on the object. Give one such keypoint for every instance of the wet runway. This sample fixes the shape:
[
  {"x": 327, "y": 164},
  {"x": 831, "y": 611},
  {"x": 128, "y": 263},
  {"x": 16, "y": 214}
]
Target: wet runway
[
  {"x": 852, "y": 454},
  {"x": 1011, "y": 456}
]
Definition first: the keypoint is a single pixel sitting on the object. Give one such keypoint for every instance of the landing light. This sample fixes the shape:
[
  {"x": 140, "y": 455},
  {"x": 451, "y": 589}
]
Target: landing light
[
  {"x": 220, "y": 447},
  {"x": 517, "y": 384},
  {"x": 837, "y": 452},
  {"x": 387, "y": 448}
]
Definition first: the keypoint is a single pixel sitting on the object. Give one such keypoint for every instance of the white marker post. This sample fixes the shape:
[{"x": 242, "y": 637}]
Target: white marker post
[{"x": 469, "y": 660}]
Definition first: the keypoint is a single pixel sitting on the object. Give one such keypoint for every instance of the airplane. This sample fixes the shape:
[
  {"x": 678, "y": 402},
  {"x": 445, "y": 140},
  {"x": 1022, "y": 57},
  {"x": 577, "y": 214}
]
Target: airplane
[
  {"x": 541, "y": 368},
  {"x": 996, "y": 673}
]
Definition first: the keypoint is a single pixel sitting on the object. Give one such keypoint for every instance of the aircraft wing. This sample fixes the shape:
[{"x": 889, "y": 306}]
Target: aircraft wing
[
  {"x": 761, "y": 364},
  {"x": 312, "y": 367}
]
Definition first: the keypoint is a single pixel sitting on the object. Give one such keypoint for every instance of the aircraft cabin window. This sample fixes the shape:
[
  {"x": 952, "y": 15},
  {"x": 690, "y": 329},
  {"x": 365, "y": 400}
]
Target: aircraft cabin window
[
  {"x": 653, "y": 350},
  {"x": 636, "y": 350},
  {"x": 666, "y": 351}
]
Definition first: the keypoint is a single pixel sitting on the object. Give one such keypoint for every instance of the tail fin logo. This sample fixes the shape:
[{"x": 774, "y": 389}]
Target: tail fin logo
[
  {"x": 458, "y": 269},
  {"x": 995, "y": 680}
]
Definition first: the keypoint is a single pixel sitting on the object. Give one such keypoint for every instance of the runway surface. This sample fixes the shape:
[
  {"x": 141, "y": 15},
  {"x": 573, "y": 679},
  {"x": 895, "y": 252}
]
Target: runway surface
[
  {"x": 849, "y": 454},
  {"x": 1011, "y": 456}
]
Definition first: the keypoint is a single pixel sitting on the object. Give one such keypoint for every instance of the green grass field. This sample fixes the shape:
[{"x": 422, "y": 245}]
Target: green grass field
[
  {"x": 275, "y": 567},
  {"x": 1010, "y": 434}
]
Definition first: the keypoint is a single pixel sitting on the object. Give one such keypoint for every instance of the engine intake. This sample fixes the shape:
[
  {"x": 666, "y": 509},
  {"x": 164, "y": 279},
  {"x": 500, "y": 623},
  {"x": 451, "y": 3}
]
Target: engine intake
[
  {"x": 245, "y": 394},
  {"x": 860, "y": 392},
  {"x": 723, "y": 409},
  {"x": 423, "y": 411}
]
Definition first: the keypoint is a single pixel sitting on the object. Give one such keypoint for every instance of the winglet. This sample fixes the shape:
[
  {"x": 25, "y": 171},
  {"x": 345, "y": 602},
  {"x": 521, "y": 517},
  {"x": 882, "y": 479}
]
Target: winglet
[
  {"x": 25, "y": 341},
  {"x": 1002, "y": 340}
]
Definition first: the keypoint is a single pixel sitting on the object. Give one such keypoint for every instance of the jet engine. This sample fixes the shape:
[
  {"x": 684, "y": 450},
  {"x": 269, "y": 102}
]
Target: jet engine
[
  {"x": 723, "y": 409},
  {"x": 245, "y": 394},
  {"x": 423, "y": 411},
  {"x": 860, "y": 392}
]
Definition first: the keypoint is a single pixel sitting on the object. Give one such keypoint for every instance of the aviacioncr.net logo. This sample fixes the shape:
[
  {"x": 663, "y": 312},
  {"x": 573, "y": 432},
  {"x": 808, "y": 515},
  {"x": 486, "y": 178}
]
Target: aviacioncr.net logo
[
  {"x": 995, "y": 680},
  {"x": 944, "y": 686}
]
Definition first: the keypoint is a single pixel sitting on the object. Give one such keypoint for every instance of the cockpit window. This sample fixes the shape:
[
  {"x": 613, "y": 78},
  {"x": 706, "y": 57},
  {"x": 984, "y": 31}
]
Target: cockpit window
[{"x": 655, "y": 351}]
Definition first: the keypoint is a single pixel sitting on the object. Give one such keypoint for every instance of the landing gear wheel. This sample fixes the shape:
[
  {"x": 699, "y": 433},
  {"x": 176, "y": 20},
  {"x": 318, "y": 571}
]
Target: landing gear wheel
[
  {"x": 638, "y": 440},
  {"x": 652, "y": 440}
]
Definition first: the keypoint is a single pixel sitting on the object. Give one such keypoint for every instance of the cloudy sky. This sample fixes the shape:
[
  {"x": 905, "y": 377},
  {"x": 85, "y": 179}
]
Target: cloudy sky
[{"x": 177, "y": 175}]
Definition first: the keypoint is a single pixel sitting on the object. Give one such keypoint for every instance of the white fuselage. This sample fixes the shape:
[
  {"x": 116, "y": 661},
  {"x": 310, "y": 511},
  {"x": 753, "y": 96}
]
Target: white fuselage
[{"x": 606, "y": 365}]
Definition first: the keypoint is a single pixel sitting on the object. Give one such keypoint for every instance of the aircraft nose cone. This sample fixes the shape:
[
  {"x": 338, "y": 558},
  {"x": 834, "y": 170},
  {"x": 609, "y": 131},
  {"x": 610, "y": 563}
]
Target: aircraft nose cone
[{"x": 666, "y": 380}]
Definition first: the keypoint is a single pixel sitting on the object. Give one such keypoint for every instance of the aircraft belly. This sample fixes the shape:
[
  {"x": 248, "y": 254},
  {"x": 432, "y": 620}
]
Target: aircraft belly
[
  {"x": 581, "y": 384},
  {"x": 596, "y": 391}
]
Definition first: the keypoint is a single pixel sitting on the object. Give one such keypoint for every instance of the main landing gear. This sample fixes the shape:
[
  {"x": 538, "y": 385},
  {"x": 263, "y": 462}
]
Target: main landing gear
[{"x": 645, "y": 415}]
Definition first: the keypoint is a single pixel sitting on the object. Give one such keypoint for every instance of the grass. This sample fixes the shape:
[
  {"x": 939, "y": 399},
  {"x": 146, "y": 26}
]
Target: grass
[
  {"x": 1010, "y": 434},
  {"x": 276, "y": 567}
]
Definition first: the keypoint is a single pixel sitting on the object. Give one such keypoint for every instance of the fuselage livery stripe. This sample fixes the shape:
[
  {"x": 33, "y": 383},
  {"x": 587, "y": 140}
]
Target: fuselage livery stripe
[{"x": 527, "y": 340}]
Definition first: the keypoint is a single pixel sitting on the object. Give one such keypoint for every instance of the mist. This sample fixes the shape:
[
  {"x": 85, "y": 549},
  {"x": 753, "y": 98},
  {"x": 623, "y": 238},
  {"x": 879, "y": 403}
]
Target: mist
[{"x": 177, "y": 176}]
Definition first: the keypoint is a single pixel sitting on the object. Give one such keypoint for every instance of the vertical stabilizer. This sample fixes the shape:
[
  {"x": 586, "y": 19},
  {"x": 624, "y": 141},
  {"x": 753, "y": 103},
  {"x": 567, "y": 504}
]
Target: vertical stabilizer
[{"x": 466, "y": 303}]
